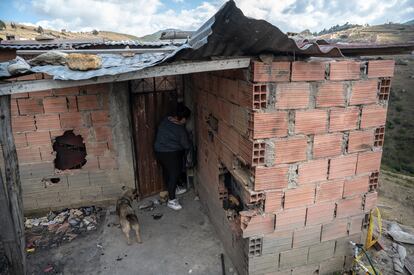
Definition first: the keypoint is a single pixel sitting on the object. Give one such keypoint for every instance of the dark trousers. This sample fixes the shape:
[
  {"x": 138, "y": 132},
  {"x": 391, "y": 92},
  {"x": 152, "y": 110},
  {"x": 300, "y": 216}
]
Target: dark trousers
[{"x": 172, "y": 166}]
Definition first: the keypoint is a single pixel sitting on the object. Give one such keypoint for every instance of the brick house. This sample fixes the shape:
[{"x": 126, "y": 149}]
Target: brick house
[{"x": 298, "y": 140}]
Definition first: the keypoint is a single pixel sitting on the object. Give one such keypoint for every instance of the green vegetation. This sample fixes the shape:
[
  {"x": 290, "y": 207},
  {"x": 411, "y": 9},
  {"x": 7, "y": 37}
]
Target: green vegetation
[
  {"x": 398, "y": 153},
  {"x": 39, "y": 29},
  {"x": 338, "y": 28},
  {"x": 2, "y": 25}
]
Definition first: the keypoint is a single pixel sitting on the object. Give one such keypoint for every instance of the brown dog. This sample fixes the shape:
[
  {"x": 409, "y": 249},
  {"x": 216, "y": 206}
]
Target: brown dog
[{"x": 127, "y": 217}]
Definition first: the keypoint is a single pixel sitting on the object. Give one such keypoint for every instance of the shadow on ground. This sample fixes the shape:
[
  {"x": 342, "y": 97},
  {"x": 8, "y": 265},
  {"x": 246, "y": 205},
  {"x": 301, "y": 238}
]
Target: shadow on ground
[{"x": 180, "y": 242}]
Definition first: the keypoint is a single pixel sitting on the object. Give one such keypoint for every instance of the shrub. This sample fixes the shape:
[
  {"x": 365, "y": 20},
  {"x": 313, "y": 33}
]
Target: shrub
[
  {"x": 2, "y": 25},
  {"x": 39, "y": 29}
]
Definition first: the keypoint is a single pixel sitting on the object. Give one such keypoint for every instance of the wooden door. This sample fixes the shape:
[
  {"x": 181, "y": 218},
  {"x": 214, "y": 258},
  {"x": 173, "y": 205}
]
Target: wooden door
[{"x": 148, "y": 109}]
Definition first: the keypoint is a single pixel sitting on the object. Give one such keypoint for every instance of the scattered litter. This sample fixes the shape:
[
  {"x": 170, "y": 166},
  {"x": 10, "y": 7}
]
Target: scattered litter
[
  {"x": 190, "y": 271},
  {"x": 196, "y": 198},
  {"x": 156, "y": 201},
  {"x": 164, "y": 196},
  {"x": 99, "y": 246},
  {"x": 59, "y": 226},
  {"x": 157, "y": 216},
  {"x": 48, "y": 269},
  {"x": 30, "y": 250},
  {"x": 119, "y": 259},
  {"x": 147, "y": 205},
  {"x": 409, "y": 265},
  {"x": 398, "y": 258},
  {"x": 399, "y": 235}
]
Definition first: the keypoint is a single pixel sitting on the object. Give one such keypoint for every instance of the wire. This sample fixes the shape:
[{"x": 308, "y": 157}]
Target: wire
[{"x": 369, "y": 260}]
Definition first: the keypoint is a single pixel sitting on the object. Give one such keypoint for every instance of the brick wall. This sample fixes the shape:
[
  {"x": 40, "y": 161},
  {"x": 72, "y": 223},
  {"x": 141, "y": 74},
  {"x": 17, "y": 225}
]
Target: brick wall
[
  {"x": 38, "y": 118},
  {"x": 299, "y": 139}
]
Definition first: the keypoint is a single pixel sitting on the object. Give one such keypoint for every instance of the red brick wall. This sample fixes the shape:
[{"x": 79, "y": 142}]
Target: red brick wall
[
  {"x": 37, "y": 119},
  {"x": 299, "y": 139}
]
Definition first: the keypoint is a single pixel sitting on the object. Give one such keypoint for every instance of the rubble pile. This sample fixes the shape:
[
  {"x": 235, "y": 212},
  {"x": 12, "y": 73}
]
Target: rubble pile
[{"x": 57, "y": 227}]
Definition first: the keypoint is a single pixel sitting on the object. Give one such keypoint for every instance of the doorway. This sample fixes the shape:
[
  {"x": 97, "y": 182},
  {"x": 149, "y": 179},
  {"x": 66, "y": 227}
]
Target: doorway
[{"x": 152, "y": 99}]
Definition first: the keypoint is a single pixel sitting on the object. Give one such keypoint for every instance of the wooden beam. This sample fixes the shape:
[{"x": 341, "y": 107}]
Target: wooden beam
[
  {"x": 11, "y": 203},
  {"x": 162, "y": 70}
]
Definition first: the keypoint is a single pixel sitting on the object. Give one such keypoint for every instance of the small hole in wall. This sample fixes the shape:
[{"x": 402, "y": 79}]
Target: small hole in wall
[
  {"x": 50, "y": 181},
  {"x": 55, "y": 180},
  {"x": 70, "y": 151}
]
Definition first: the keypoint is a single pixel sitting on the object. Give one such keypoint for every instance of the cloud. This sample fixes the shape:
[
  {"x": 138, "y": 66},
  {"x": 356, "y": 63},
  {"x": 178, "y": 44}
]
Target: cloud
[
  {"x": 137, "y": 17},
  {"x": 140, "y": 17},
  {"x": 297, "y": 15}
]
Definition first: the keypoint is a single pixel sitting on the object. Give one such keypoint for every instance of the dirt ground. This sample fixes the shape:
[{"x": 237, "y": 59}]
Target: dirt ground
[
  {"x": 182, "y": 242},
  {"x": 396, "y": 203}
]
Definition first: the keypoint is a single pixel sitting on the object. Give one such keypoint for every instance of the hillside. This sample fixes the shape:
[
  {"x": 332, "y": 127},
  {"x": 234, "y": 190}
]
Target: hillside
[
  {"x": 30, "y": 32},
  {"x": 386, "y": 33},
  {"x": 399, "y": 133}
]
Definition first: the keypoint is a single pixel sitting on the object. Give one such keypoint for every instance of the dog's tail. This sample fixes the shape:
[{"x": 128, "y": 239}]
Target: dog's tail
[{"x": 132, "y": 218}]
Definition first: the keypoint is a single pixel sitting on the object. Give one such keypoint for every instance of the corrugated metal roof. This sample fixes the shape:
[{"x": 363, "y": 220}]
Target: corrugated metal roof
[
  {"x": 79, "y": 44},
  {"x": 228, "y": 33},
  {"x": 112, "y": 64}
]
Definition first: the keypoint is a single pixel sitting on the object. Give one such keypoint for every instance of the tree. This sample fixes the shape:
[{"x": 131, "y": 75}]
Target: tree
[
  {"x": 2, "y": 25},
  {"x": 95, "y": 32},
  {"x": 39, "y": 29},
  {"x": 13, "y": 25}
]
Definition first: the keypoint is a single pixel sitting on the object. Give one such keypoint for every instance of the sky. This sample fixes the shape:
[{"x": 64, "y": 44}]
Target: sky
[{"x": 141, "y": 17}]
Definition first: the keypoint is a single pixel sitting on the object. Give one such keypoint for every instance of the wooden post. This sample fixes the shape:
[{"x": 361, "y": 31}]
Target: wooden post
[{"x": 11, "y": 203}]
